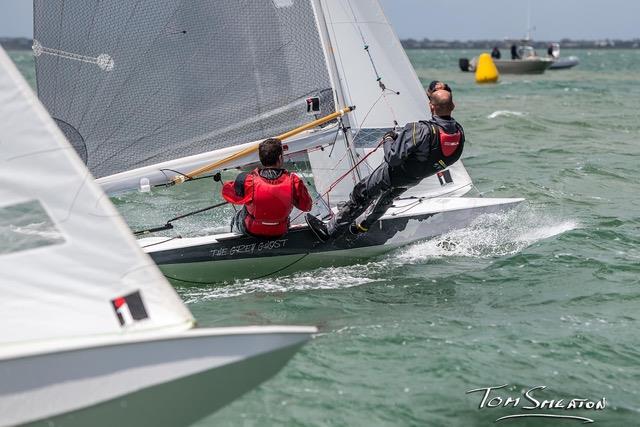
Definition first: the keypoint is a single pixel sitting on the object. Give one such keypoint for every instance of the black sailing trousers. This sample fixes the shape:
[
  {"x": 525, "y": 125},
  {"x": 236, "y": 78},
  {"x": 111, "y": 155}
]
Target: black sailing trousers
[{"x": 382, "y": 186}]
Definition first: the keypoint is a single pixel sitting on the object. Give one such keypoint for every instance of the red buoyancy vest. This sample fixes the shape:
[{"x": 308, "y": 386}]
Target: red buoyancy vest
[
  {"x": 449, "y": 143},
  {"x": 270, "y": 205}
]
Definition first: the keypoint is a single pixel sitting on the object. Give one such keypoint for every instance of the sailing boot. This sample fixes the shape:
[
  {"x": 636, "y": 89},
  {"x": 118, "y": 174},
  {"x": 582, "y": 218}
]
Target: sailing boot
[{"x": 336, "y": 226}]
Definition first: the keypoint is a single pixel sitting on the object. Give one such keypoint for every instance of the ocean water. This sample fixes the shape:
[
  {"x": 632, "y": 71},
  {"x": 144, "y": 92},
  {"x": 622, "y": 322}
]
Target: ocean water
[{"x": 545, "y": 295}]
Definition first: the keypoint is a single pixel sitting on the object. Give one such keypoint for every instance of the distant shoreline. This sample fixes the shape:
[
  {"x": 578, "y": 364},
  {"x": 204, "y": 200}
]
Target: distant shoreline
[
  {"x": 502, "y": 44},
  {"x": 23, "y": 43}
]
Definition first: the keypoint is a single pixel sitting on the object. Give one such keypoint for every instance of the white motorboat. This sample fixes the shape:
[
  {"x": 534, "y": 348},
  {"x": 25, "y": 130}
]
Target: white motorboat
[
  {"x": 188, "y": 85},
  {"x": 562, "y": 63},
  {"x": 92, "y": 334},
  {"x": 527, "y": 62}
]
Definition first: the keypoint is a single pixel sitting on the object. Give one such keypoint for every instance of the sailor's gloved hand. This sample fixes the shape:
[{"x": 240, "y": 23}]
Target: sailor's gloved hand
[{"x": 392, "y": 135}]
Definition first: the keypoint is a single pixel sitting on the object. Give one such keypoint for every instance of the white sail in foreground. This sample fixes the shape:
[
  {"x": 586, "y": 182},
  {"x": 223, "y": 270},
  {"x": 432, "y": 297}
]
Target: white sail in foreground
[{"x": 88, "y": 322}]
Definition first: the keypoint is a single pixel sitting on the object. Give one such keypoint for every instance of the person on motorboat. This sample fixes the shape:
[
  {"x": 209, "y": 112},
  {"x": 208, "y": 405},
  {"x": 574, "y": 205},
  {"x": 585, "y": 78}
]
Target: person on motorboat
[
  {"x": 514, "y": 52},
  {"x": 268, "y": 195},
  {"x": 495, "y": 53},
  {"x": 419, "y": 150}
]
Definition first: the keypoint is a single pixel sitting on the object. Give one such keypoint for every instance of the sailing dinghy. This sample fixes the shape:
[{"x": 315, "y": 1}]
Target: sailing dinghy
[
  {"x": 152, "y": 93},
  {"x": 92, "y": 334}
]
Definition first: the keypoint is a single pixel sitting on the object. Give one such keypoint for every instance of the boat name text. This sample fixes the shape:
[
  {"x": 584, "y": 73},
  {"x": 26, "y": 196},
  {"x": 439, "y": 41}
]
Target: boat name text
[{"x": 250, "y": 248}]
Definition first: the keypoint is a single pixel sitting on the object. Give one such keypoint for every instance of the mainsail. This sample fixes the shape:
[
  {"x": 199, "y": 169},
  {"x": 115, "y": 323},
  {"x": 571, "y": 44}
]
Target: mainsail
[
  {"x": 134, "y": 84},
  {"x": 154, "y": 88}
]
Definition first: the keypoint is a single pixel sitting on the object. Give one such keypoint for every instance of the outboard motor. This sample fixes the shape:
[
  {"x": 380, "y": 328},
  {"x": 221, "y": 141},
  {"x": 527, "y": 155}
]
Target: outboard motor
[{"x": 463, "y": 63}]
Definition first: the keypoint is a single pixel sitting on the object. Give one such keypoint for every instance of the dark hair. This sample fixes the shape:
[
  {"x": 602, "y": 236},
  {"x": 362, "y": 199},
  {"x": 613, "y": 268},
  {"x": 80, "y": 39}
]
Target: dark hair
[
  {"x": 432, "y": 87},
  {"x": 270, "y": 151}
]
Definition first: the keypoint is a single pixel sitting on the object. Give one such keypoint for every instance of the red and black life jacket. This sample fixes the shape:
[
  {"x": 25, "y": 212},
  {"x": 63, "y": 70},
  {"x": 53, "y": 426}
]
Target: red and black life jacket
[
  {"x": 450, "y": 144},
  {"x": 270, "y": 205},
  {"x": 444, "y": 149}
]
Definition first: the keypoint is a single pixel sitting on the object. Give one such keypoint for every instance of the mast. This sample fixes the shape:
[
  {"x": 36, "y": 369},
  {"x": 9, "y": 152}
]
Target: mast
[
  {"x": 334, "y": 76},
  {"x": 528, "y": 21}
]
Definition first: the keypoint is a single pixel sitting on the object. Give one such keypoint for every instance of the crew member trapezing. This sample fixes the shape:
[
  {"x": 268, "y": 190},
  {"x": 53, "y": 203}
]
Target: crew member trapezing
[
  {"x": 268, "y": 194},
  {"x": 419, "y": 150}
]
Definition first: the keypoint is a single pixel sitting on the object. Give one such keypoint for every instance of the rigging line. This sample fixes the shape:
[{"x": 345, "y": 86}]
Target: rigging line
[
  {"x": 341, "y": 127},
  {"x": 164, "y": 241},
  {"x": 388, "y": 104},
  {"x": 197, "y": 282},
  {"x": 473, "y": 186},
  {"x": 347, "y": 173},
  {"x": 408, "y": 207},
  {"x": 354, "y": 139},
  {"x": 364, "y": 119},
  {"x": 306, "y": 180},
  {"x": 283, "y": 268},
  {"x": 169, "y": 226},
  {"x": 170, "y": 183},
  {"x": 382, "y": 86},
  {"x": 364, "y": 42}
]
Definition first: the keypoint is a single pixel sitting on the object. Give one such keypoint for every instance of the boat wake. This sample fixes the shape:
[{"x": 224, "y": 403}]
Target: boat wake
[
  {"x": 330, "y": 278},
  {"x": 491, "y": 235},
  {"x": 506, "y": 113}
]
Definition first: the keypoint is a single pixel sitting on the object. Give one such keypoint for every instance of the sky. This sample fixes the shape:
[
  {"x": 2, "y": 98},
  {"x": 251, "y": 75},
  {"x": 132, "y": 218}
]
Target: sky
[{"x": 458, "y": 19}]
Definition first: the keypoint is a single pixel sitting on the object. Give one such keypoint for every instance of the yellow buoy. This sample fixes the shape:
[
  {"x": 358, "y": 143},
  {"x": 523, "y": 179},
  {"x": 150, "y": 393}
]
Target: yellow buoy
[{"x": 486, "y": 71}]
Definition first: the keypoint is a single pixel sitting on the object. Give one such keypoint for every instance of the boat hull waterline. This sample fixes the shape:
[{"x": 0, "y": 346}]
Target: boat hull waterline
[{"x": 220, "y": 258}]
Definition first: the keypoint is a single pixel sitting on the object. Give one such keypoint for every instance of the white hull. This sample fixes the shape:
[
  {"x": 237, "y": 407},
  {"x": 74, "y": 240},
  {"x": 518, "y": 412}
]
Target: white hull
[
  {"x": 170, "y": 380},
  {"x": 211, "y": 259},
  {"x": 523, "y": 66},
  {"x": 564, "y": 63}
]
